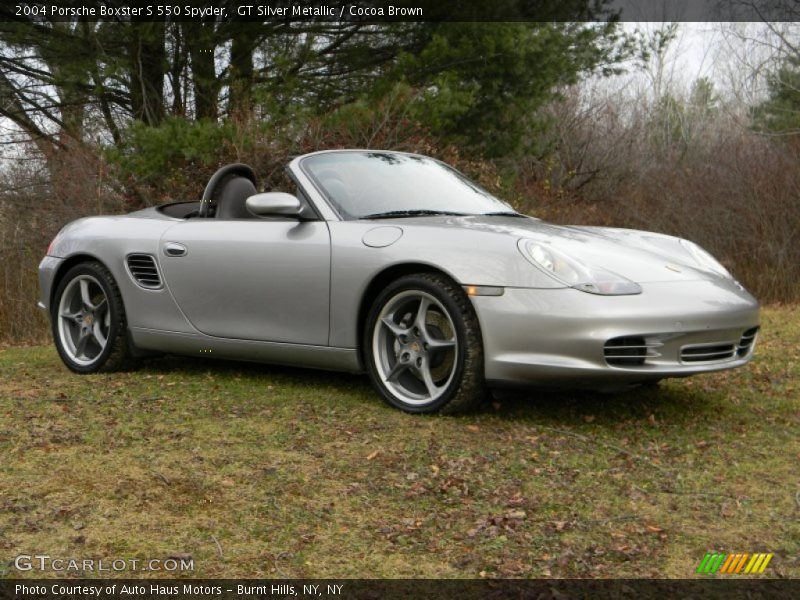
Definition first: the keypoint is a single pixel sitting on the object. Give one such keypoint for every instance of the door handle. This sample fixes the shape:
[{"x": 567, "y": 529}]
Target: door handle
[{"x": 175, "y": 249}]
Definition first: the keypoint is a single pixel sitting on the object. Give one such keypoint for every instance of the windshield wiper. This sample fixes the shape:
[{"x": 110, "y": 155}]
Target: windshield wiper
[
  {"x": 395, "y": 214},
  {"x": 504, "y": 214}
]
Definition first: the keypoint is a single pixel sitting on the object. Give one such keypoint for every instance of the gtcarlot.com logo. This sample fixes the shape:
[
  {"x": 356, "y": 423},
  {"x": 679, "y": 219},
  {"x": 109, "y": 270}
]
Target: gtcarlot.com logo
[
  {"x": 44, "y": 562},
  {"x": 734, "y": 564}
]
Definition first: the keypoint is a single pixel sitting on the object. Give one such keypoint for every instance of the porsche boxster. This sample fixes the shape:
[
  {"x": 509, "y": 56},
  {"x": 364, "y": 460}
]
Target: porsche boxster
[{"x": 396, "y": 265}]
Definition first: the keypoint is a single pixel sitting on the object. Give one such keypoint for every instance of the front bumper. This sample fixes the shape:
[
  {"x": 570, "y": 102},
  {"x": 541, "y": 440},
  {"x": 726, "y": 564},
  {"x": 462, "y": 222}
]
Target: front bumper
[
  {"x": 47, "y": 272},
  {"x": 558, "y": 337}
]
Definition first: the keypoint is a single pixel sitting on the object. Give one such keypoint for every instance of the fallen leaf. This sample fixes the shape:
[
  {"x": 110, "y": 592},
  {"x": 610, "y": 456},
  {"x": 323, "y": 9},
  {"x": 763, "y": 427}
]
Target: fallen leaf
[
  {"x": 373, "y": 455},
  {"x": 515, "y": 500},
  {"x": 512, "y": 567}
]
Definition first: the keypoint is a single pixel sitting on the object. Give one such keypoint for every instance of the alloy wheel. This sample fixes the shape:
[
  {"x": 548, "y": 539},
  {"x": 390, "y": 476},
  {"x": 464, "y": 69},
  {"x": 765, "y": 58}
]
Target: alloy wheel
[
  {"x": 415, "y": 347},
  {"x": 84, "y": 320}
]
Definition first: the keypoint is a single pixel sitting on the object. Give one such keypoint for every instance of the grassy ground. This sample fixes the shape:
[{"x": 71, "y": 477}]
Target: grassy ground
[{"x": 265, "y": 471}]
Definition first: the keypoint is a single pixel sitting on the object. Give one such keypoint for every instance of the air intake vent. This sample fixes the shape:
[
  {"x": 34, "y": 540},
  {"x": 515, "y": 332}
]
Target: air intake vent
[
  {"x": 707, "y": 353},
  {"x": 144, "y": 270},
  {"x": 746, "y": 343},
  {"x": 630, "y": 351}
]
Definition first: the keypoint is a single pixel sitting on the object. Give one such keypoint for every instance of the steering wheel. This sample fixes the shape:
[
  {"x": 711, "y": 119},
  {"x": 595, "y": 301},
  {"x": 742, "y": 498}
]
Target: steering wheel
[{"x": 209, "y": 193}]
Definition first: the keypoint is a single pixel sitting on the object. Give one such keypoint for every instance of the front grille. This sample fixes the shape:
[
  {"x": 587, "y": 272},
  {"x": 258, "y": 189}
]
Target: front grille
[
  {"x": 707, "y": 353},
  {"x": 746, "y": 343},
  {"x": 630, "y": 351},
  {"x": 144, "y": 270}
]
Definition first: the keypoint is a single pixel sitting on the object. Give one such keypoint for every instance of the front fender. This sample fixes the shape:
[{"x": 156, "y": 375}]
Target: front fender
[{"x": 468, "y": 257}]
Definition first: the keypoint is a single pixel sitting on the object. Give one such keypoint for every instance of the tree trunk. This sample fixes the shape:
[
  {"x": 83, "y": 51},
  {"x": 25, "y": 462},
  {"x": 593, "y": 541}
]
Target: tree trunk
[
  {"x": 177, "y": 69},
  {"x": 148, "y": 68},
  {"x": 202, "y": 44},
  {"x": 241, "y": 73}
]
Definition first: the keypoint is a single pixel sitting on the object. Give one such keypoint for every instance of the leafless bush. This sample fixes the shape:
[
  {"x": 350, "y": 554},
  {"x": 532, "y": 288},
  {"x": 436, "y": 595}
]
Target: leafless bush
[
  {"x": 717, "y": 183},
  {"x": 38, "y": 195}
]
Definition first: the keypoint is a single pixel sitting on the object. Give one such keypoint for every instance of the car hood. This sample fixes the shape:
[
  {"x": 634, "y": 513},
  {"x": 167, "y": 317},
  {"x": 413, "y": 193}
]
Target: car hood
[{"x": 640, "y": 256}]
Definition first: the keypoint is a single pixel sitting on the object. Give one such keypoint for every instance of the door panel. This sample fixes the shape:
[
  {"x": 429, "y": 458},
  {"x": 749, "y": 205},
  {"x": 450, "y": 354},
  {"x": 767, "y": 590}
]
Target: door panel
[{"x": 251, "y": 279}]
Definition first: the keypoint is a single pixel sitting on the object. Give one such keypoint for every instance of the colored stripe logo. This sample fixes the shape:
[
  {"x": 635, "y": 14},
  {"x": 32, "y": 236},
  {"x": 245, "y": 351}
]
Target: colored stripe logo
[{"x": 734, "y": 564}]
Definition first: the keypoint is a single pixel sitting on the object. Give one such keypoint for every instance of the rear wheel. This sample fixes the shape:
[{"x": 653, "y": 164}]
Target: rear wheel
[
  {"x": 423, "y": 346},
  {"x": 88, "y": 321}
]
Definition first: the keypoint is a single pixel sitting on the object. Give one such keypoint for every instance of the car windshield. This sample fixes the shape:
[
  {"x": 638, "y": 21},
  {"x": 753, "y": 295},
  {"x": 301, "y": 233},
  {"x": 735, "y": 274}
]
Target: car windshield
[{"x": 376, "y": 185}]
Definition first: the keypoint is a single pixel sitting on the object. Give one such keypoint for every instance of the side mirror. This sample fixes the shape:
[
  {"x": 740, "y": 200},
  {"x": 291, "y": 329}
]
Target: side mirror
[{"x": 274, "y": 204}]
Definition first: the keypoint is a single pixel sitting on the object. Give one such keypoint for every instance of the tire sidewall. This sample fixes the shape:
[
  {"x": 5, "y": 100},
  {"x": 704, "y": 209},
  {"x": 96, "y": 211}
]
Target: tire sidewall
[
  {"x": 416, "y": 283},
  {"x": 100, "y": 274}
]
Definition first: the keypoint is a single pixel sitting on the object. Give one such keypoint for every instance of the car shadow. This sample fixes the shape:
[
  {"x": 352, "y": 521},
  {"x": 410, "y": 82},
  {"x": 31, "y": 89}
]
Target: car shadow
[
  {"x": 298, "y": 375},
  {"x": 672, "y": 401}
]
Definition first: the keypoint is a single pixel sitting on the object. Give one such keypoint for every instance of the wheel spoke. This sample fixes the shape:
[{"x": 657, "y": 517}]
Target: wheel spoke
[
  {"x": 98, "y": 334},
  {"x": 398, "y": 369},
  {"x": 86, "y": 299},
  {"x": 422, "y": 314},
  {"x": 424, "y": 372},
  {"x": 435, "y": 344},
  {"x": 396, "y": 329},
  {"x": 102, "y": 305},
  {"x": 76, "y": 317},
  {"x": 80, "y": 347}
]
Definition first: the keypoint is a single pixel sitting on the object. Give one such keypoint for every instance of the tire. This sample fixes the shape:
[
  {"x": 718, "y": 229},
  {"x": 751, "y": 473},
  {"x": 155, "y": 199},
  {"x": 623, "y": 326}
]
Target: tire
[
  {"x": 88, "y": 321},
  {"x": 398, "y": 351}
]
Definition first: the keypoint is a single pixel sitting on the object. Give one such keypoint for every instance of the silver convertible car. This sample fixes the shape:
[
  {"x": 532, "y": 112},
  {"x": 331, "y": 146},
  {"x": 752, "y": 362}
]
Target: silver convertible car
[{"x": 397, "y": 265}]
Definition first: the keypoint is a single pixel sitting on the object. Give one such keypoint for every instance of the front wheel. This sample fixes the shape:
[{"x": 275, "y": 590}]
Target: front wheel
[
  {"x": 423, "y": 347},
  {"x": 88, "y": 320}
]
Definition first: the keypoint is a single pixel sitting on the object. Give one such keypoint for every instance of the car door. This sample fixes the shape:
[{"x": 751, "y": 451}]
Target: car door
[{"x": 251, "y": 279}]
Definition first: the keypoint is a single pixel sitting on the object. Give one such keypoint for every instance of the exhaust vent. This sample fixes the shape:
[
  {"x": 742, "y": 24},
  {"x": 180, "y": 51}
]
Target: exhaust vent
[{"x": 144, "y": 271}]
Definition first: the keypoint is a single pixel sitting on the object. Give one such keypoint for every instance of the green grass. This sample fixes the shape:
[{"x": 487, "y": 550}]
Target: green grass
[{"x": 260, "y": 471}]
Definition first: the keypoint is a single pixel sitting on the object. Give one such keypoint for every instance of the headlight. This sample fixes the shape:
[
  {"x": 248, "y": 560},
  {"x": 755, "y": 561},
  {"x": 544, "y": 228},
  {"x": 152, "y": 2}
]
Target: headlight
[
  {"x": 575, "y": 274},
  {"x": 704, "y": 259}
]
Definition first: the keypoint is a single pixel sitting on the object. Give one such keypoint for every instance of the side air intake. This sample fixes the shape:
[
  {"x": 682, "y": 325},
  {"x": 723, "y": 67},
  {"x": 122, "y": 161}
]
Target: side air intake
[{"x": 144, "y": 271}]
